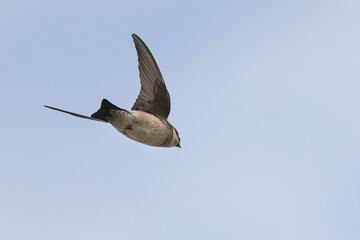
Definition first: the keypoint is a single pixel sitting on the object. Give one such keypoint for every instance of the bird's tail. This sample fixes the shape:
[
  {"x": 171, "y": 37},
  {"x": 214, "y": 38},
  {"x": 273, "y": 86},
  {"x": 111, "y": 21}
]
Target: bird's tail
[{"x": 104, "y": 112}]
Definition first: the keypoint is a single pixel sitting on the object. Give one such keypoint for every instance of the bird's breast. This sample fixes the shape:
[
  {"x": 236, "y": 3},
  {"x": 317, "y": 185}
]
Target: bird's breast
[{"x": 142, "y": 127}]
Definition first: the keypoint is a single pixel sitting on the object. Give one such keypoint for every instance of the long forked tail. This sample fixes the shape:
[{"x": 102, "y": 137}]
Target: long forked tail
[
  {"x": 104, "y": 112},
  {"x": 100, "y": 115},
  {"x": 74, "y": 114}
]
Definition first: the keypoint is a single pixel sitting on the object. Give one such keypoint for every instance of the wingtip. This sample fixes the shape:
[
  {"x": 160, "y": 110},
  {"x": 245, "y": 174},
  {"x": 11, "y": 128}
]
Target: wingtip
[{"x": 137, "y": 39}]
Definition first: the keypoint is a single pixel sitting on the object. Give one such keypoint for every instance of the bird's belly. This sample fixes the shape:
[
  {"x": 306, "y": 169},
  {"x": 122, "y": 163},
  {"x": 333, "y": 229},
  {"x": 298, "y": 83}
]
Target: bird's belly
[
  {"x": 142, "y": 127},
  {"x": 153, "y": 137}
]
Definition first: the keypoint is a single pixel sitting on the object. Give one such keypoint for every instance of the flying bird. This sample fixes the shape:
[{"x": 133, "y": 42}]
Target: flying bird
[{"x": 146, "y": 122}]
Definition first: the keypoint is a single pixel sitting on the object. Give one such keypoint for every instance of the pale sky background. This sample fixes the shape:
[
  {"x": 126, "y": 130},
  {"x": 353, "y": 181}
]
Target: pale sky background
[{"x": 265, "y": 96}]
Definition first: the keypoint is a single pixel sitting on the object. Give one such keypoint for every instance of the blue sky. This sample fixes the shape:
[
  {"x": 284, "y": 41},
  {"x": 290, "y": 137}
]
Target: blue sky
[{"x": 265, "y": 96}]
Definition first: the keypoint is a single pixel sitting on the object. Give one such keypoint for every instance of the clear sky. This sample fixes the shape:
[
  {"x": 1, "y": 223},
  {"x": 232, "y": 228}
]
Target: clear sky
[{"x": 265, "y": 96}]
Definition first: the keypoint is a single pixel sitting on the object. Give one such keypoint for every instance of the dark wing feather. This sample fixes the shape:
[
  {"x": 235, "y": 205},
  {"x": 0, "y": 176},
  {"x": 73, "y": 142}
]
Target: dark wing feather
[{"x": 154, "y": 97}]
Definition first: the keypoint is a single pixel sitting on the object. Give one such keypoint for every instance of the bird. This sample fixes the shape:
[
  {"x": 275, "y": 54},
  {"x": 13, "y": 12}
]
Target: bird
[{"x": 146, "y": 122}]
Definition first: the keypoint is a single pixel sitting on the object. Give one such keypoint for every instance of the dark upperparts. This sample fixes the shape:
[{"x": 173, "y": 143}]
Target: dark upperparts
[{"x": 104, "y": 112}]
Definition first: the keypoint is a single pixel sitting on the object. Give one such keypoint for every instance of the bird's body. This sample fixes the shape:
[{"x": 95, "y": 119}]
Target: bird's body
[
  {"x": 146, "y": 122},
  {"x": 143, "y": 127}
]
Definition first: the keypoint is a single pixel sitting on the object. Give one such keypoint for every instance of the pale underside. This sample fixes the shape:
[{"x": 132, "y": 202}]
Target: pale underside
[{"x": 142, "y": 127}]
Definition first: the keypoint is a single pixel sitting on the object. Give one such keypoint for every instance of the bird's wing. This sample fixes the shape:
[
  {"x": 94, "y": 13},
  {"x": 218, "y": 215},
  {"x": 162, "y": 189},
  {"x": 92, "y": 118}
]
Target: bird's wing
[
  {"x": 74, "y": 114},
  {"x": 154, "y": 97}
]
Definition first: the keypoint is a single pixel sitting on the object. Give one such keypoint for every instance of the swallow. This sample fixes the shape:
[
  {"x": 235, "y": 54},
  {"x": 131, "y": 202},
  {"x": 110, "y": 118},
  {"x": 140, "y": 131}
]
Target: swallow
[{"x": 146, "y": 122}]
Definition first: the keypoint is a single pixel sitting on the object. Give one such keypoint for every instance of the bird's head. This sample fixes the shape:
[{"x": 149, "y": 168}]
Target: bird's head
[{"x": 176, "y": 138}]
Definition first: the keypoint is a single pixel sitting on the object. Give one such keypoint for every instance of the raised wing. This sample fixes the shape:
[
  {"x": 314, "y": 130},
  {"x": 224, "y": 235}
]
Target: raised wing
[{"x": 154, "y": 97}]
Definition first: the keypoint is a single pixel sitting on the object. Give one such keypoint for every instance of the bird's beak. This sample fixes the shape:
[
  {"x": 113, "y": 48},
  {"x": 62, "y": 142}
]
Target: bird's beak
[{"x": 178, "y": 145}]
